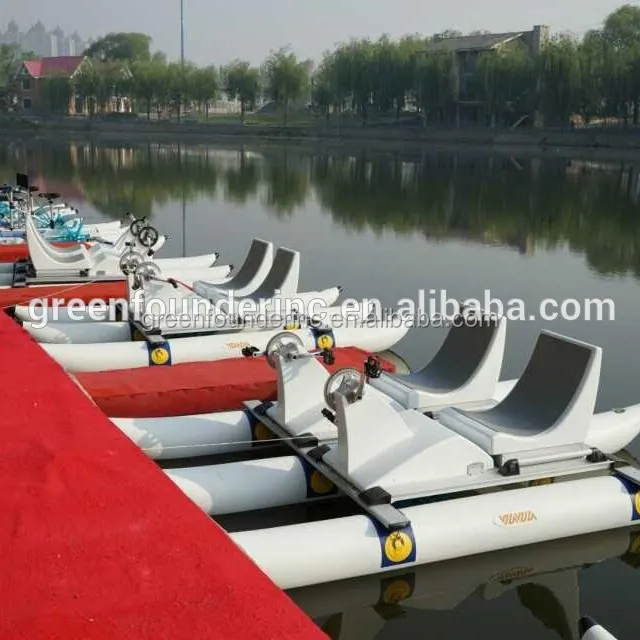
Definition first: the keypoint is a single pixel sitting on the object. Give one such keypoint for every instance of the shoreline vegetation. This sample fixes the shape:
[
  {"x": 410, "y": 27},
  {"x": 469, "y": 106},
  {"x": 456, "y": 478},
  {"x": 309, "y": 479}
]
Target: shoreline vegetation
[
  {"x": 532, "y": 92},
  {"x": 520, "y": 81}
]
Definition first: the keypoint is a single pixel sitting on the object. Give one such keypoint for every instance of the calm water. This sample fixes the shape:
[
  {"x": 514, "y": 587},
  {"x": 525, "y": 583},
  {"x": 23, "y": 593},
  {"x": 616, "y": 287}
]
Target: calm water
[{"x": 386, "y": 225}]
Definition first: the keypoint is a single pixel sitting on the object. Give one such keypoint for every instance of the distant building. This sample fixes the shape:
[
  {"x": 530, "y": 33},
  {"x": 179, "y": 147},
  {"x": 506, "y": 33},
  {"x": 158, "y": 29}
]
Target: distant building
[
  {"x": 28, "y": 83},
  {"x": 468, "y": 49},
  {"x": 42, "y": 42}
]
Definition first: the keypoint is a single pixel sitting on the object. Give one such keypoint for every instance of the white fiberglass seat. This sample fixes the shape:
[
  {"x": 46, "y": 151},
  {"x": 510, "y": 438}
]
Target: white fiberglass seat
[
  {"x": 550, "y": 407},
  {"x": 248, "y": 278},
  {"x": 466, "y": 368},
  {"x": 279, "y": 291},
  {"x": 281, "y": 283},
  {"x": 45, "y": 257}
]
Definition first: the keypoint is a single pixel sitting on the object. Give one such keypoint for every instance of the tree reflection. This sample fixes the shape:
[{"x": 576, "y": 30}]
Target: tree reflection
[{"x": 524, "y": 203}]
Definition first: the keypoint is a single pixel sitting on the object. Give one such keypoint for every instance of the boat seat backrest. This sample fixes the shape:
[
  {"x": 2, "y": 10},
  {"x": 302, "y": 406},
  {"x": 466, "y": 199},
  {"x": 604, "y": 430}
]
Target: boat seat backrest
[
  {"x": 461, "y": 354},
  {"x": 282, "y": 277},
  {"x": 552, "y": 379},
  {"x": 550, "y": 405},
  {"x": 257, "y": 262},
  {"x": 259, "y": 251}
]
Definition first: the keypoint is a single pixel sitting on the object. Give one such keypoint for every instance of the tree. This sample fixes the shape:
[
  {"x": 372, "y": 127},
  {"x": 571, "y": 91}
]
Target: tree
[
  {"x": 622, "y": 27},
  {"x": 242, "y": 83},
  {"x": 57, "y": 92},
  {"x": 11, "y": 57},
  {"x": 87, "y": 87},
  {"x": 204, "y": 85},
  {"x": 505, "y": 80},
  {"x": 121, "y": 46},
  {"x": 621, "y": 33},
  {"x": 287, "y": 79},
  {"x": 178, "y": 85},
  {"x": 438, "y": 84},
  {"x": 149, "y": 82},
  {"x": 559, "y": 79}
]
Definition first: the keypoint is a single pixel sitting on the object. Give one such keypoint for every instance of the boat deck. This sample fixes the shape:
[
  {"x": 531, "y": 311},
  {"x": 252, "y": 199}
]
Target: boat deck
[{"x": 96, "y": 542}]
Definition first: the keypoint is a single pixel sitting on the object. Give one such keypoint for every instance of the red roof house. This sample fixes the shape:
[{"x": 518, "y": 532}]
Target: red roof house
[{"x": 31, "y": 75}]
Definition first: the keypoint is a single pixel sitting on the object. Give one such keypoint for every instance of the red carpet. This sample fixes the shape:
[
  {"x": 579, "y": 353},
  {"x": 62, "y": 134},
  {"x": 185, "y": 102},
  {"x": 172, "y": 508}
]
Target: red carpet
[
  {"x": 198, "y": 387},
  {"x": 96, "y": 542},
  {"x": 86, "y": 292}
]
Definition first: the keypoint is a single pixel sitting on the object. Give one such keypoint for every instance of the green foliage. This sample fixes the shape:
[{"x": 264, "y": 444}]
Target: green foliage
[
  {"x": 11, "y": 57},
  {"x": 242, "y": 83},
  {"x": 597, "y": 78},
  {"x": 203, "y": 86},
  {"x": 505, "y": 82},
  {"x": 287, "y": 78},
  {"x": 560, "y": 74},
  {"x": 87, "y": 85},
  {"x": 149, "y": 83},
  {"x": 57, "y": 92},
  {"x": 121, "y": 46}
]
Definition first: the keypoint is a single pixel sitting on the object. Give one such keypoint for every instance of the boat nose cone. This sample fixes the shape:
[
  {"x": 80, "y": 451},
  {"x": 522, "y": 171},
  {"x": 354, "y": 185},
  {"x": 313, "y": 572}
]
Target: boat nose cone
[{"x": 584, "y": 624}]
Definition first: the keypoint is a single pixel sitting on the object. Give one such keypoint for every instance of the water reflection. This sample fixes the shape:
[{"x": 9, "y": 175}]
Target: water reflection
[
  {"x": 541, "y": 583},
  {"x": 525, "y": 203}
]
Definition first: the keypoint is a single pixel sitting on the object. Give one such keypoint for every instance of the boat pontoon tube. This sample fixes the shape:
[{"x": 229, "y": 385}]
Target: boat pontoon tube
[
  {"x": 132, "y": 355},
  {"x": 355, "y": 546}
]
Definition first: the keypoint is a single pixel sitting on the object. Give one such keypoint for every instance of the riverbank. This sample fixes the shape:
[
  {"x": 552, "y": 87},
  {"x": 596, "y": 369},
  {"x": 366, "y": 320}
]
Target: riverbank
[{"x": 613, "y": 142}]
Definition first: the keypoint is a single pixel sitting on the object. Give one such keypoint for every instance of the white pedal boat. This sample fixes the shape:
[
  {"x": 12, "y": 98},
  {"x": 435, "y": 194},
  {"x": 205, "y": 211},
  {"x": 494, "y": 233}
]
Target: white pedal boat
[
  {"x": 519, "y": 473},
  {"x": 176, "y": 310},
  {"x": 138, "y": 240},
  {"x": 259, "y": 277},
  {"x": 474, "y": 353},
  {"x": 591, "y": 630},
  {"x": 109, "y": 356}
]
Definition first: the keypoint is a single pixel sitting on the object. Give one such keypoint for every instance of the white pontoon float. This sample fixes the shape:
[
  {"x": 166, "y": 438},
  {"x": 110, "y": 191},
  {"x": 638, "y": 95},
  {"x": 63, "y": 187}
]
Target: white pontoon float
[
  {"x": 208, "y": 347},
  {"x": 521, "y": 472}
]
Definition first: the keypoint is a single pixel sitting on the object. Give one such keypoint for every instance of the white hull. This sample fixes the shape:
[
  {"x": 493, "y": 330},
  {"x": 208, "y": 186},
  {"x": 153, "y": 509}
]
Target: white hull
[
  {"x": 172, "y": 438},
  {"x": 184, "y": 273},
  {"x": 133, "y": 355},
  {"x": 81, "y": 331},
  {"x": 278, "y": 482},
  {"x": 351, "y": 547}
]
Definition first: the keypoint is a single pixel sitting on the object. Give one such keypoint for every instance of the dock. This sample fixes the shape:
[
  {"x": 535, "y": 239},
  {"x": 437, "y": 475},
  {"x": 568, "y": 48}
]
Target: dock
[{"x": 96, "y": 542}]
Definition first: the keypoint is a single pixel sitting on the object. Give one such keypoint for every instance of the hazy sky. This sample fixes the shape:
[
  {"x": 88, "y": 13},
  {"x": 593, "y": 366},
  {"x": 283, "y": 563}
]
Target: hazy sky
[{"x": 220, "y": 30}]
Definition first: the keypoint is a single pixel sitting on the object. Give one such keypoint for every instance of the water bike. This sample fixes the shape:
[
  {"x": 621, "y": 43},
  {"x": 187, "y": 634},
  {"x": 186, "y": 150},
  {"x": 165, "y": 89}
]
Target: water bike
[
  {"x": 48, "y": 264},
  {"x": 132, "y": 344},
  {"x": 523, "y": 471},
  {"x": 475, "y": 385},
  {"x": 176, "y": 309}
]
